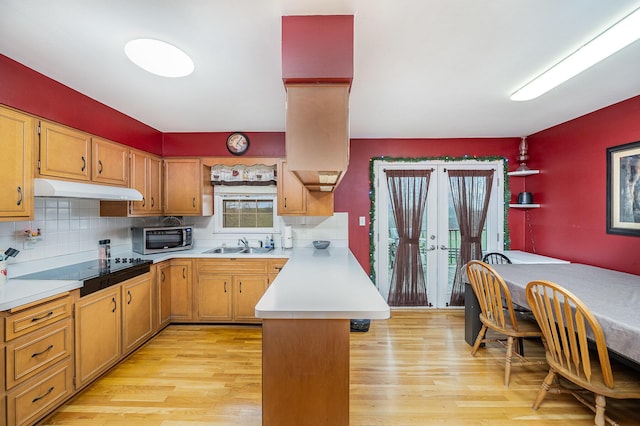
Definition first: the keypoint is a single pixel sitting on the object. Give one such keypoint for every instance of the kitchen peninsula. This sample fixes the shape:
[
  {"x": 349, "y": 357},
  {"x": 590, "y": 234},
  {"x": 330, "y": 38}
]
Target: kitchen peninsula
[{"x": 305, "y": 336}]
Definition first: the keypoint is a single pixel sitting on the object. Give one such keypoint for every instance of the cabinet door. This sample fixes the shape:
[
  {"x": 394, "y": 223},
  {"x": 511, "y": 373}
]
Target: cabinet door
[
  {"x": 182, "y": 185},
  {"x": 292, "y": 195},
  {"x": 154, "y": 185},
  {"x": 248, "y": 289},
  {"x": 138, "y": 175},
  {"x": 98, "y": 322},
  {"x": 214, "y": 296},
  {"x": 110, "y": 163},
  {"x": 181, "y": 290},
  {"x": 137, "y": 311},
  {"x": 16, "y": 139},
  {"x": 64, "y": 152},
  {"x": 164, "y": 293}
]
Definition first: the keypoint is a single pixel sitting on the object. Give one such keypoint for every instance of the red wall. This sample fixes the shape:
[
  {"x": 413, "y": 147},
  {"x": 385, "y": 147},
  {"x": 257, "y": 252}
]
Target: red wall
[
  {"x": 24, "y": 89},
  {"x": 352, "y": 195},
  {"x": 213, "y": 144},
  {"x": 571, "y": 224}
]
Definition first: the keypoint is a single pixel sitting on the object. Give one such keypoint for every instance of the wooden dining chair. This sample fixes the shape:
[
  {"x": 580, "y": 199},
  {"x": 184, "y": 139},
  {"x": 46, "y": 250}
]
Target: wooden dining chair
[
  {"x": 495, "y": 258},
  {"x": 567, "y": 325},
  {"x": 497, "y": 313}
]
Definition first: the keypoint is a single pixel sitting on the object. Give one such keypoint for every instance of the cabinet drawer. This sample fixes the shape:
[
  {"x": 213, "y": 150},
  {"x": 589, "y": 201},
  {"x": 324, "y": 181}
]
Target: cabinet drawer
[
  {"x": 233, "y": 265},
  {"x": 31, "y": 354},
  {"x": 36, "y": 317},
  {"x": 275, "y": 265},
  {"x": 37, "y": 397}
]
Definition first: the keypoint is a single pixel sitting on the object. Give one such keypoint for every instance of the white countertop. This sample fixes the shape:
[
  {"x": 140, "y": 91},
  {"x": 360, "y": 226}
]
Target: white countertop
[
  {"x": 313, "y": 284},
  {"x": 322, "y": 284}
]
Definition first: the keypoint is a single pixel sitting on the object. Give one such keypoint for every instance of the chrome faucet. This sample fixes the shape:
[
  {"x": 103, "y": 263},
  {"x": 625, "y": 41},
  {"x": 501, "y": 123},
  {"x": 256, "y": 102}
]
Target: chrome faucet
[{"x": 243, "y": 242}]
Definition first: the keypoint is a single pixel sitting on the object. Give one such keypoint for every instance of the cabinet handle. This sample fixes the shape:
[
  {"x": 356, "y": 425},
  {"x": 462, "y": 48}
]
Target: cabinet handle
[
  {"x": 99, "y": 167},
  {"x": 84, "y": 164},
  {"x": 38, "y": 398},
  {"x": 48, "y": 314},
  {"x": 285, "y": 202},
  {"x": 225, "y": 286},
  {"x": 184, "y": 273},
  {"x": 152, "y": 202},
  {"x": 130, "y": 297},
  {"x": 115, "y": 305},
  {"x": 194, "y": 202},
  {"x": 143, "y": 202},
  {"x": 162, "y": 276},
  {"x": 278, "y": 268},
  {"x": 40, "y": 353},
  {"x": 20, "y": 194},
  {"x": 240, "y": 286}
]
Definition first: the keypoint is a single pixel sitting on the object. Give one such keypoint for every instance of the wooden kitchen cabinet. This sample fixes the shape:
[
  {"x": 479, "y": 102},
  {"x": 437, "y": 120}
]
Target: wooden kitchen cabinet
[
  {"x": 274, "y": 266},
  {"x": 296, "y": 200},
  {"x": 180, "y": 277},
  {"x": 110, "y": 162},
  {"x": 17, "y": 133},
  {"x": 163, "y": 283},
  {"x": 36, "y": 359},
  {"x": 98, "y": 334},
  {"x": 187, "y": 187},
  {"x": 228, "y": 289},
  {"x": 146, "y": 177},
  {"x": 137, "y": 312},
  {"x": 64, "y": 152}
]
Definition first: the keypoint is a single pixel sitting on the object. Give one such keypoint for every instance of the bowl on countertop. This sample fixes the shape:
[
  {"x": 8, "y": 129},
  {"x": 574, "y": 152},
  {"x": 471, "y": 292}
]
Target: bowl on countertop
[{"x": 321, "y": 244}]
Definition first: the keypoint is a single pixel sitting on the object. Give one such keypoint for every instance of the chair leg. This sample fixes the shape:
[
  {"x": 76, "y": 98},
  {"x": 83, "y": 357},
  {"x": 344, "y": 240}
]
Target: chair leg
[
  {"x": 479, "y": 339},
  {"x": 600, "y": 407},
  {"x": 546, "y": 385},
  {"x": 507, "y": 361}
]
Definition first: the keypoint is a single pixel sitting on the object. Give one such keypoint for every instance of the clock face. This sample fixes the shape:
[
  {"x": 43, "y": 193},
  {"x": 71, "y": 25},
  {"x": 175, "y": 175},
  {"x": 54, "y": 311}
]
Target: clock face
[{"x": 237, "y": 143}]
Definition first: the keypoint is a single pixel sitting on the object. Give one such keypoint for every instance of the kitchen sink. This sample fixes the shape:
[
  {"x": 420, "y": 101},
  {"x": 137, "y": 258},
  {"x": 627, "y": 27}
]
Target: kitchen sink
[{"x": 238, "y": 250}]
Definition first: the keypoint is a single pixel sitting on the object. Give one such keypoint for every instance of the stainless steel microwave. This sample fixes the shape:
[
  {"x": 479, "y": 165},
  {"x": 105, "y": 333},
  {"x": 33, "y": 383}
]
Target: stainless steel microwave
[{"x": 161, "y": 239}]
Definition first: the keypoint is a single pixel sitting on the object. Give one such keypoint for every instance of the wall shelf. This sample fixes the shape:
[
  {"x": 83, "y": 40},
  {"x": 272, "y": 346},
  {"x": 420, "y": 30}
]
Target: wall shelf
[
  {"x": 524, "y": 206},
  {"x": 523, "y": 172}
]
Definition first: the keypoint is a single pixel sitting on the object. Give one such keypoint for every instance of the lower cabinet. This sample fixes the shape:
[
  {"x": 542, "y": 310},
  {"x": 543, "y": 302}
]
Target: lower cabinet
[
  {"x": 37, "y": 359},
  {"x": 163, "y": 292},
  {"x": 227, "y": 290},
  {"x": 180, "y": 277},
  {"x": 98, "y": 333},
  {"x": 111, "y": 323}
]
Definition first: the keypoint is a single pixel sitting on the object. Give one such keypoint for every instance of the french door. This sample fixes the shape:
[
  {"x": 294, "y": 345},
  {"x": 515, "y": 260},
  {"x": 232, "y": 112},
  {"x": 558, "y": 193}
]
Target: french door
[{"x": 439, "y": 240}]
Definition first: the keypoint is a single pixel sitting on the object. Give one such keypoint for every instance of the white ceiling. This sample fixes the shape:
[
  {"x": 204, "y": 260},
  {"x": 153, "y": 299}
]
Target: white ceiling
[{"x": 422, "y": 68}]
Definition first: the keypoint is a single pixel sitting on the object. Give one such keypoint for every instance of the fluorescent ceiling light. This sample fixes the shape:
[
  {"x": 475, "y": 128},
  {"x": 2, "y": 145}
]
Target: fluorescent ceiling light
[
  {"x": 159, "y": 58},
  {"x": 620, "y": 35}
]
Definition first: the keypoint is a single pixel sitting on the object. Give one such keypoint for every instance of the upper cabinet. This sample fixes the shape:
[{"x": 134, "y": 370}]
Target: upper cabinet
[
  {"x": 64, "y": 152},
  {"x": 17, "y": 132},
  {"x": 110, "y": 163},
  {"x": 296, "y": 200},
  {"x": 146, "y": 177},
  {"x": 187, "y": 188}
]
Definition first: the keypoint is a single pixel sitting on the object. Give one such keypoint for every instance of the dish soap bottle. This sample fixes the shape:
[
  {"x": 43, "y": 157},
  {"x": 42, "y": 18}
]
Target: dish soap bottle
[{"x": 267, "y": 242}]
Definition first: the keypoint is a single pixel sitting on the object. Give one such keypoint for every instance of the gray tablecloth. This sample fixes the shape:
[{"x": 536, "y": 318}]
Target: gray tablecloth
[{"x": 612, "y": 296}]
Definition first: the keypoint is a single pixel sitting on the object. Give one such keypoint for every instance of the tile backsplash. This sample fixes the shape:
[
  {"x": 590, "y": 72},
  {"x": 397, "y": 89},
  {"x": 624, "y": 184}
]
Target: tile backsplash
[{"x": 70, "y": 226}]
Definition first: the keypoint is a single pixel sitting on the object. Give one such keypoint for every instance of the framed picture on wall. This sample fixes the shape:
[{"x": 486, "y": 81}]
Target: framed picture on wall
[{"x": 623, "y": 189}]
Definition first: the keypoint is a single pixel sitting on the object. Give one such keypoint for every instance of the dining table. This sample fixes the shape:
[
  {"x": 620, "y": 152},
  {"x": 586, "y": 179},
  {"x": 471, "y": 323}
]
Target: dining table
[{"x": 612, "y": 296}]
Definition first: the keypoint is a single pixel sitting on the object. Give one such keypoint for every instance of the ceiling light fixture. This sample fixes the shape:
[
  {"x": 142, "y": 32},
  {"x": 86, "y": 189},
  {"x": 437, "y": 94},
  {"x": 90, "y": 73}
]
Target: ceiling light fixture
[
  {"x": 159, "y": 57},
  {"x": 616, "y": 37}
]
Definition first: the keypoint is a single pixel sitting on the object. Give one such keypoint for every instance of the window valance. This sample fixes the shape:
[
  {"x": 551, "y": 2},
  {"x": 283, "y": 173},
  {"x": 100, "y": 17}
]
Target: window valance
[{"x": 239, "y": 174}]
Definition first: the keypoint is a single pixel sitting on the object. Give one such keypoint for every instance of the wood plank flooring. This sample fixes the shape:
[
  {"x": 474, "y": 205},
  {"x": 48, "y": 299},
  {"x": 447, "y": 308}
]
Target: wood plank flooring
[{"x": 413, "y": 369}]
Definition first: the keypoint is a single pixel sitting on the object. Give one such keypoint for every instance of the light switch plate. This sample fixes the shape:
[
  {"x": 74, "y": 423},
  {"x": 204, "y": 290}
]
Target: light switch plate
[{"x": 362, "y": 221}]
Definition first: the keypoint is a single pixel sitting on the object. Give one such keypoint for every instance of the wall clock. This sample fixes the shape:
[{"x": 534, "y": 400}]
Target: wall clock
[{"x": 237, "y": 143}]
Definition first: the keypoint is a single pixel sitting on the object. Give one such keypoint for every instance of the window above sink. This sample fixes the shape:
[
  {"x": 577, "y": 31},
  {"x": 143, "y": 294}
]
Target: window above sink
[{"x": 246, "y": 210}]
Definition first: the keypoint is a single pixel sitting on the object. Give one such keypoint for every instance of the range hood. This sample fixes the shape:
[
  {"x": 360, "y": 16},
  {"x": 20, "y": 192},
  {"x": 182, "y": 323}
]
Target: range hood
[
  {"x": 317, "y": 70},
  {"x": 61, "y": 188}
]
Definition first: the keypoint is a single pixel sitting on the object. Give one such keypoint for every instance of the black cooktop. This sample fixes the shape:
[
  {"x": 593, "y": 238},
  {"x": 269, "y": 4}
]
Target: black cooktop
[{"x": 93, "y": 276}]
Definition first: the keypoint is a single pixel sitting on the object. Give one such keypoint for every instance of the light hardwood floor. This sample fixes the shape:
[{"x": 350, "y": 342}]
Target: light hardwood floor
[{"x": 414, "y": 369}]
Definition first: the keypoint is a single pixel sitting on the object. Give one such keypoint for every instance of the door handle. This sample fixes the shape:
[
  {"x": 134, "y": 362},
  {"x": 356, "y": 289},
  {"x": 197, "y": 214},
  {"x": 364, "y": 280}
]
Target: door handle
[
  {"x": 443, "y": 247},
  {"x": 431, "y": 248}
]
